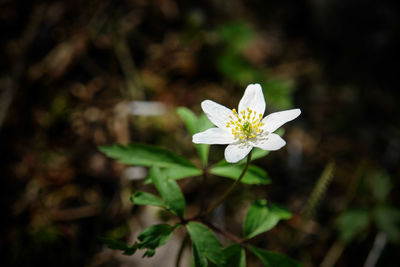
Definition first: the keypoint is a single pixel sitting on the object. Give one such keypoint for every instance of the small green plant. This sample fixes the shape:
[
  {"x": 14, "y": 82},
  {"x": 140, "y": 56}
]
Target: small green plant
[{"x": 249, "y": 136}]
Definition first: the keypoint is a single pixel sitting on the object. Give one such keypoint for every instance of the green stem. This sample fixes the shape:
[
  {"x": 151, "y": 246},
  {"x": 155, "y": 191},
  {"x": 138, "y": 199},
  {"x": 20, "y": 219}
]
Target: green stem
[
  {"x": 181, "y": 249},
  {"x": 230, "y": 189}
]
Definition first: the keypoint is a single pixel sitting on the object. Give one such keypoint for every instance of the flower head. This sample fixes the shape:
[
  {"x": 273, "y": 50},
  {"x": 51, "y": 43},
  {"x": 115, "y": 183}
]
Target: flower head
[{"x": 244, "y": 128}]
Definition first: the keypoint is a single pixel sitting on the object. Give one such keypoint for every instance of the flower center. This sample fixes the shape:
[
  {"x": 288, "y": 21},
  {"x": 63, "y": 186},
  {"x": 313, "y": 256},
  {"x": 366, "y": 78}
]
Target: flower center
[{"x": 245, "y": 125}]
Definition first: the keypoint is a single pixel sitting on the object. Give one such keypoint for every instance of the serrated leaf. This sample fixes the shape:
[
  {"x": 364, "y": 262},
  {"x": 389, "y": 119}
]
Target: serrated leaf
[
  {"x": 153, "y": 237},
  {"x": 206, "y": 244},
  {"x": 143, "y": 198},
  {"x": 169, "y": 191},
  {"x": 195, "y": 125},
  {"x": 147, "y": 155},
  {"x": 273, "y": 259},
  {"x": 262, "y": 217},
  {"x": 253, "y": 175},
  {"x": 352, "y": 223},
  {"x": 115, "y": 244}
]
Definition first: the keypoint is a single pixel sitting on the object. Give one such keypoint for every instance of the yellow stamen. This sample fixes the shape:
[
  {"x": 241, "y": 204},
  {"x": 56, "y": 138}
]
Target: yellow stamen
[{"x": 245, "y": 125}]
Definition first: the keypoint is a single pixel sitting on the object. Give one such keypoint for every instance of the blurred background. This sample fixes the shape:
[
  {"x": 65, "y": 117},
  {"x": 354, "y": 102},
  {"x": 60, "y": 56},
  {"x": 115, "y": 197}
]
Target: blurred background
[{"x": 79, "y": 74}]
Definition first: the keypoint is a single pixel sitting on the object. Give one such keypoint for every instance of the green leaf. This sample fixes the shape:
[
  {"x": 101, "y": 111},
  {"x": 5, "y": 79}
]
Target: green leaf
[
  {"x": 380, "y": 185},
  {"x": 261, "y": 217},
  {"x": 169, "y": 190},
  {"x": 237, "y": 68},
  {"x": 352, "y": 223},
  {"x": 237, "y": 35},
  {"x": 143, "y": 198},
  {"x": 147, "y": 155},
  {"x": 179, "y": 173},
  {"x": 195, "y": 125},
  {"x": 199, "y": 259},
  {"x": 205, "y": 244},
  {"x": 174, "y": 173},
  {"x": 278, "y": 92},
  {"x": 253, "y": 175},
  {"x": 114, "y": 244},
  {"x": 387, "y": 219},
  {"x": 189, "y": 118},
  {"x": 149, "y": 253},
  {"x": 153, "y": 237},
  {"x": 273, "y": 259},
  {"x": 235, "y": 256}
]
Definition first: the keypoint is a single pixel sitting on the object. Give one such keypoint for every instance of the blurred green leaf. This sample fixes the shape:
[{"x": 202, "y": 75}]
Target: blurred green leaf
[
  {"x": 143, "y": 198},
  {"x": 195, "y": 125},
  {"x": 387, "y": 220},
  {"x": 153, "y": 237},
  {"x": 253, "y": 175},
  {"x": 235, "y": 256},
  {"x": 149, "y": 253},
  {"x": 272, "y": 259},
  {"x": 380, "y": 185},
  {"x": 261, "y": 217},
  {"x": 189, "y": 118},
  {"x": 278, "y": 92},
  {"x": 179, "y": 173},
  {"x": 236, "y": 35},
  {"x": 237, "y": 68},
  {"x": 147, "y": 155},
  {"x": 118, "y": 232},
  {"x": 352, "y": 223},
  {"x": 169, "y": 191},
  {"x": 114, "y": 244},
  {"x": 205, "y": 244}
]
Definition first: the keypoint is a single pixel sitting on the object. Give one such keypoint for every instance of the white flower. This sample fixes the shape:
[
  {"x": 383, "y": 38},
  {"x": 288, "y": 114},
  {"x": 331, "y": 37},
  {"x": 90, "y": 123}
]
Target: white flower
[{"x": 246, "y": 128}]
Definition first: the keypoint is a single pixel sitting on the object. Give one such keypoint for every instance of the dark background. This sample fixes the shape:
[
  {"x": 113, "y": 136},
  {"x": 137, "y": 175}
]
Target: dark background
[{"x": 70, "y": 68}]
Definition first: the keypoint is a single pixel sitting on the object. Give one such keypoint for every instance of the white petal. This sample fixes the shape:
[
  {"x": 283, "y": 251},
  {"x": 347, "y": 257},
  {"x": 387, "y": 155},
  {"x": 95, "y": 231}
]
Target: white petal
[
  {"x": 253, "y": 98},
  {"x": 275, "y": 120},
  {"x": 270, "y": 142},
  {"x": 236, "y": 152},
  {"x": 218, "y": 114},
  {"x": 213, "y": 136}
]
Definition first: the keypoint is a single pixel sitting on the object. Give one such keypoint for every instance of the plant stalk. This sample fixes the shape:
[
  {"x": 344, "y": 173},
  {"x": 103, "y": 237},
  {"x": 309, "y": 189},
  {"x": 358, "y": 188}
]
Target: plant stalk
[
  {"x": 230, "y": 189},
  {"x": 181, "y": 249}
]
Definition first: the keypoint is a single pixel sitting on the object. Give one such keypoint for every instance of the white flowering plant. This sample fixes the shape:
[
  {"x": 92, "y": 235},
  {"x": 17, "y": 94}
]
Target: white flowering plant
[{"x": 247, "y": 133}]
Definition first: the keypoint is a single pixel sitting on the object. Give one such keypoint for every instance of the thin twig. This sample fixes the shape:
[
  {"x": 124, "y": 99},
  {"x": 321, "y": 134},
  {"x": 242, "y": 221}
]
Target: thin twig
[
  {"x": 333, "y": 254},
  {"x": 12, "y": 83},
  {"x": 376, "y": 251},
  {"x": 319, "y": 191},
  {"x": 132, "y": 79},
  {"x": 227, "y": 234}
]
